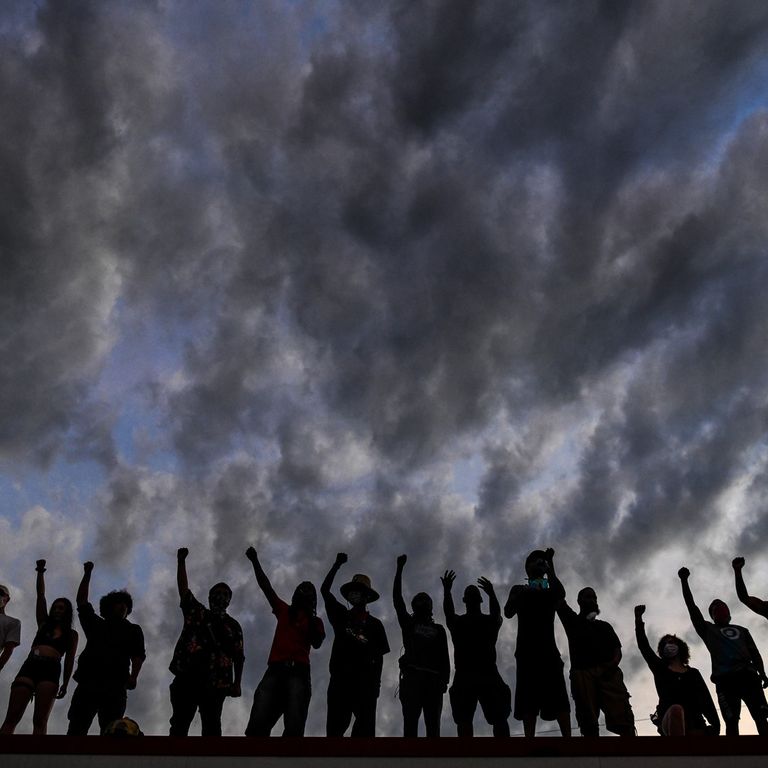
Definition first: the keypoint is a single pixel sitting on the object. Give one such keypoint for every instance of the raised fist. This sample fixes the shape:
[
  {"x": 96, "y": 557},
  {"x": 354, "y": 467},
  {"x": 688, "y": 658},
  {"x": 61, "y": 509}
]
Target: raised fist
[
  {"x": 341, "y": 558},
  {"x": 401, "y": 560},
  {"x": 738, "y": 563},
  {"x": 250, "y": 553},
  {"x": 87, "y": 567},
  {"x": 40, "y": 565},
  {"x": 181, "y": 553},
  {"x": 549, "y": 553},
  {"x": 683, "y": 573},
  {"x": 639, "y": 611}
]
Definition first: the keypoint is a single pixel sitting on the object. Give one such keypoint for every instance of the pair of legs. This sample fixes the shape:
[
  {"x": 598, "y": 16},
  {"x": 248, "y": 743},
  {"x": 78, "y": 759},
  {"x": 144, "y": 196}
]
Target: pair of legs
[
  {"x": 421, "y": 691},
  {"x": 22, "y": 691},
  {"x": 38, "y": 677},
  {"x": 599, "y": 689},
  {"x": 488, "y": 690},
  {"x": 540, "y": 692},
  {"x": 350, "y": 697},
  {"x": 284, "y": 691},
  {"x": 187, "y": 697},
  {"x": 735, "y": 687},
  {"x": 90, "y": 700}
]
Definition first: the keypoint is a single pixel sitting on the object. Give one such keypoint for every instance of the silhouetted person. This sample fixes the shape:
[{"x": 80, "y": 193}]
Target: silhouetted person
[
  {"x": 208, "y": 659},
  {"x": 754, "y": 603},
  {"x": 477, "y": 678},
  {"x": 110, "y": 663},
  {"x": 285, "y": 689},
  {"x": 684, "y": 699},
  {"x": 39, "y": 674},
  {"x": 540, "y": 688},
  {"x": 597, "y": 683},
  {"x": 737, "y": 667},
  {"x": 10, "y": 628},
  {"x": 425, "y": 667},
  {"x": 359, "y": 645}
]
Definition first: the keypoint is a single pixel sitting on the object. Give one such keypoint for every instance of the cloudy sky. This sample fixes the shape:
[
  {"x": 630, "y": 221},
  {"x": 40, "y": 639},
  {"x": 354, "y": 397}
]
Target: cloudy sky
[{"x": 456, "y": 279}]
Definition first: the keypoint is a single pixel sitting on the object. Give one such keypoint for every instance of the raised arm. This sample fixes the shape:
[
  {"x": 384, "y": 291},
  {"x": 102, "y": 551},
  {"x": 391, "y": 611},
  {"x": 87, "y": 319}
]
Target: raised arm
[
  {"x": 699, "y": 624},
  {"x": 397, "y": 592},
  {"x": 41, "y": 607},
  {"x": 69, "y": 663},
  {"x": 325, "y": 587},
  {"x": 85, "y": 583},
  {"x": 493, "y": 602},
  {"x": 181, "y": 571},
  {"x": 754, "y": 603},
  {"x": 651, "y": 659},
  {"x": 556, "y": 587},
  {"x": 261, "y": 578},
  {"x": 447, "y": 580}
]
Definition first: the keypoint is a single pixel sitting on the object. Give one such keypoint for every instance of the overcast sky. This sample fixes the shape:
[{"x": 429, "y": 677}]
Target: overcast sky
[{"x": 455, "y": 279}]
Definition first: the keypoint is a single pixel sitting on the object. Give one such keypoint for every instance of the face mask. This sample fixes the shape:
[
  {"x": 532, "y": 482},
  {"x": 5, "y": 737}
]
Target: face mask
[
  {"x": 592, "y": 615},
  {"x": 670, "y": 650},
  {"x": 538, "y": 583}
]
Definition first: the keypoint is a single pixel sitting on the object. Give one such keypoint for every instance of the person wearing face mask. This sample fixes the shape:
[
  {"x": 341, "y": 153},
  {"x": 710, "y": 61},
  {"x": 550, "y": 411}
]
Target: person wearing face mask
[
  {"x": 540, "y": 689},
  {"x": 109, "y": 666},
  {"x": 357, "y": 656},
  {"x": 684, "y": 699},
  {"x": 208, "y": 658},
  {"x": 477, "y": 679},
  {"x": 596, "y": 680},
  {"x": 424, "y": 666},
  {"x": 737, "y": 667},
  {"x": 10, "y": 628},
  {"x": 39, "y": 675},
  {"x": 285, "y": 689}
]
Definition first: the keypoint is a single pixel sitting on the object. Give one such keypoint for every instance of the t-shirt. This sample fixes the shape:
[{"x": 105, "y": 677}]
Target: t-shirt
[
  {"x": 10, "y": 631},
  {"x": 109, "y": 648},
  {"x": 590, "y": 642},
  {"x": 208, "y": 646},
  {"x": 474, "y": 642},
  {"x": 292, "y": 639},
  {"x": 426, "y": 648},
  {"x": 731, "y": 648},
  {"x": 359, "y": 642},
  {"x": 535, "y": 610}
]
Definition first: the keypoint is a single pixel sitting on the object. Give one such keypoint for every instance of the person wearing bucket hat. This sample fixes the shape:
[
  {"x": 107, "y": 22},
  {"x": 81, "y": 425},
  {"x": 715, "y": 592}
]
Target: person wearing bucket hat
[
  {"x": 425, "y": 666},
  {"x": 357, "y": 655}
]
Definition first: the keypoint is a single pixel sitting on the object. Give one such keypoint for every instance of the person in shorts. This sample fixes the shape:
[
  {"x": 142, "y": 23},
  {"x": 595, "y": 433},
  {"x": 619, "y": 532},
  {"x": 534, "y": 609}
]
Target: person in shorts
[
  {"x": 476, "y": 679},
  {"x": 597, "y": 683},
  {"x": 540, "y": 687},
  {"x": 737, "y": 667}
]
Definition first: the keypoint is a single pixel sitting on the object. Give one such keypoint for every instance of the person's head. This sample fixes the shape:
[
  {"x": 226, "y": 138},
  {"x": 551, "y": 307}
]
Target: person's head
[
  {"x": 359, "y": 592},
  {"x": 305, "y": 597},
  {"x": 421, "y": 604},
  {"x": 61, "y": 612},
  {"x": 116, "y": 605},
  {"x": 719, "y": 613},
  {"x": 472, "y": 597},
  {"x": 587, "y": 600},
  {"x": 219, "y": 597},
  {"x": 5, "y": 596},
  {"x": 536, "y": 564},
  {"x": 672, "y": 647}
]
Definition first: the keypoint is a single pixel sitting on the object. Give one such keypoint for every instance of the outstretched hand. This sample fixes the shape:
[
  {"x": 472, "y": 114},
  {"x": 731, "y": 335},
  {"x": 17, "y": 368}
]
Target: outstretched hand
[
  {"x": 738, "y": 563},
  {"x": 485, "y": 585},
  {"x": 683, "y": 573},
  {"x": 639, "y": 611},
  {"x": 447, "y": 579}
]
